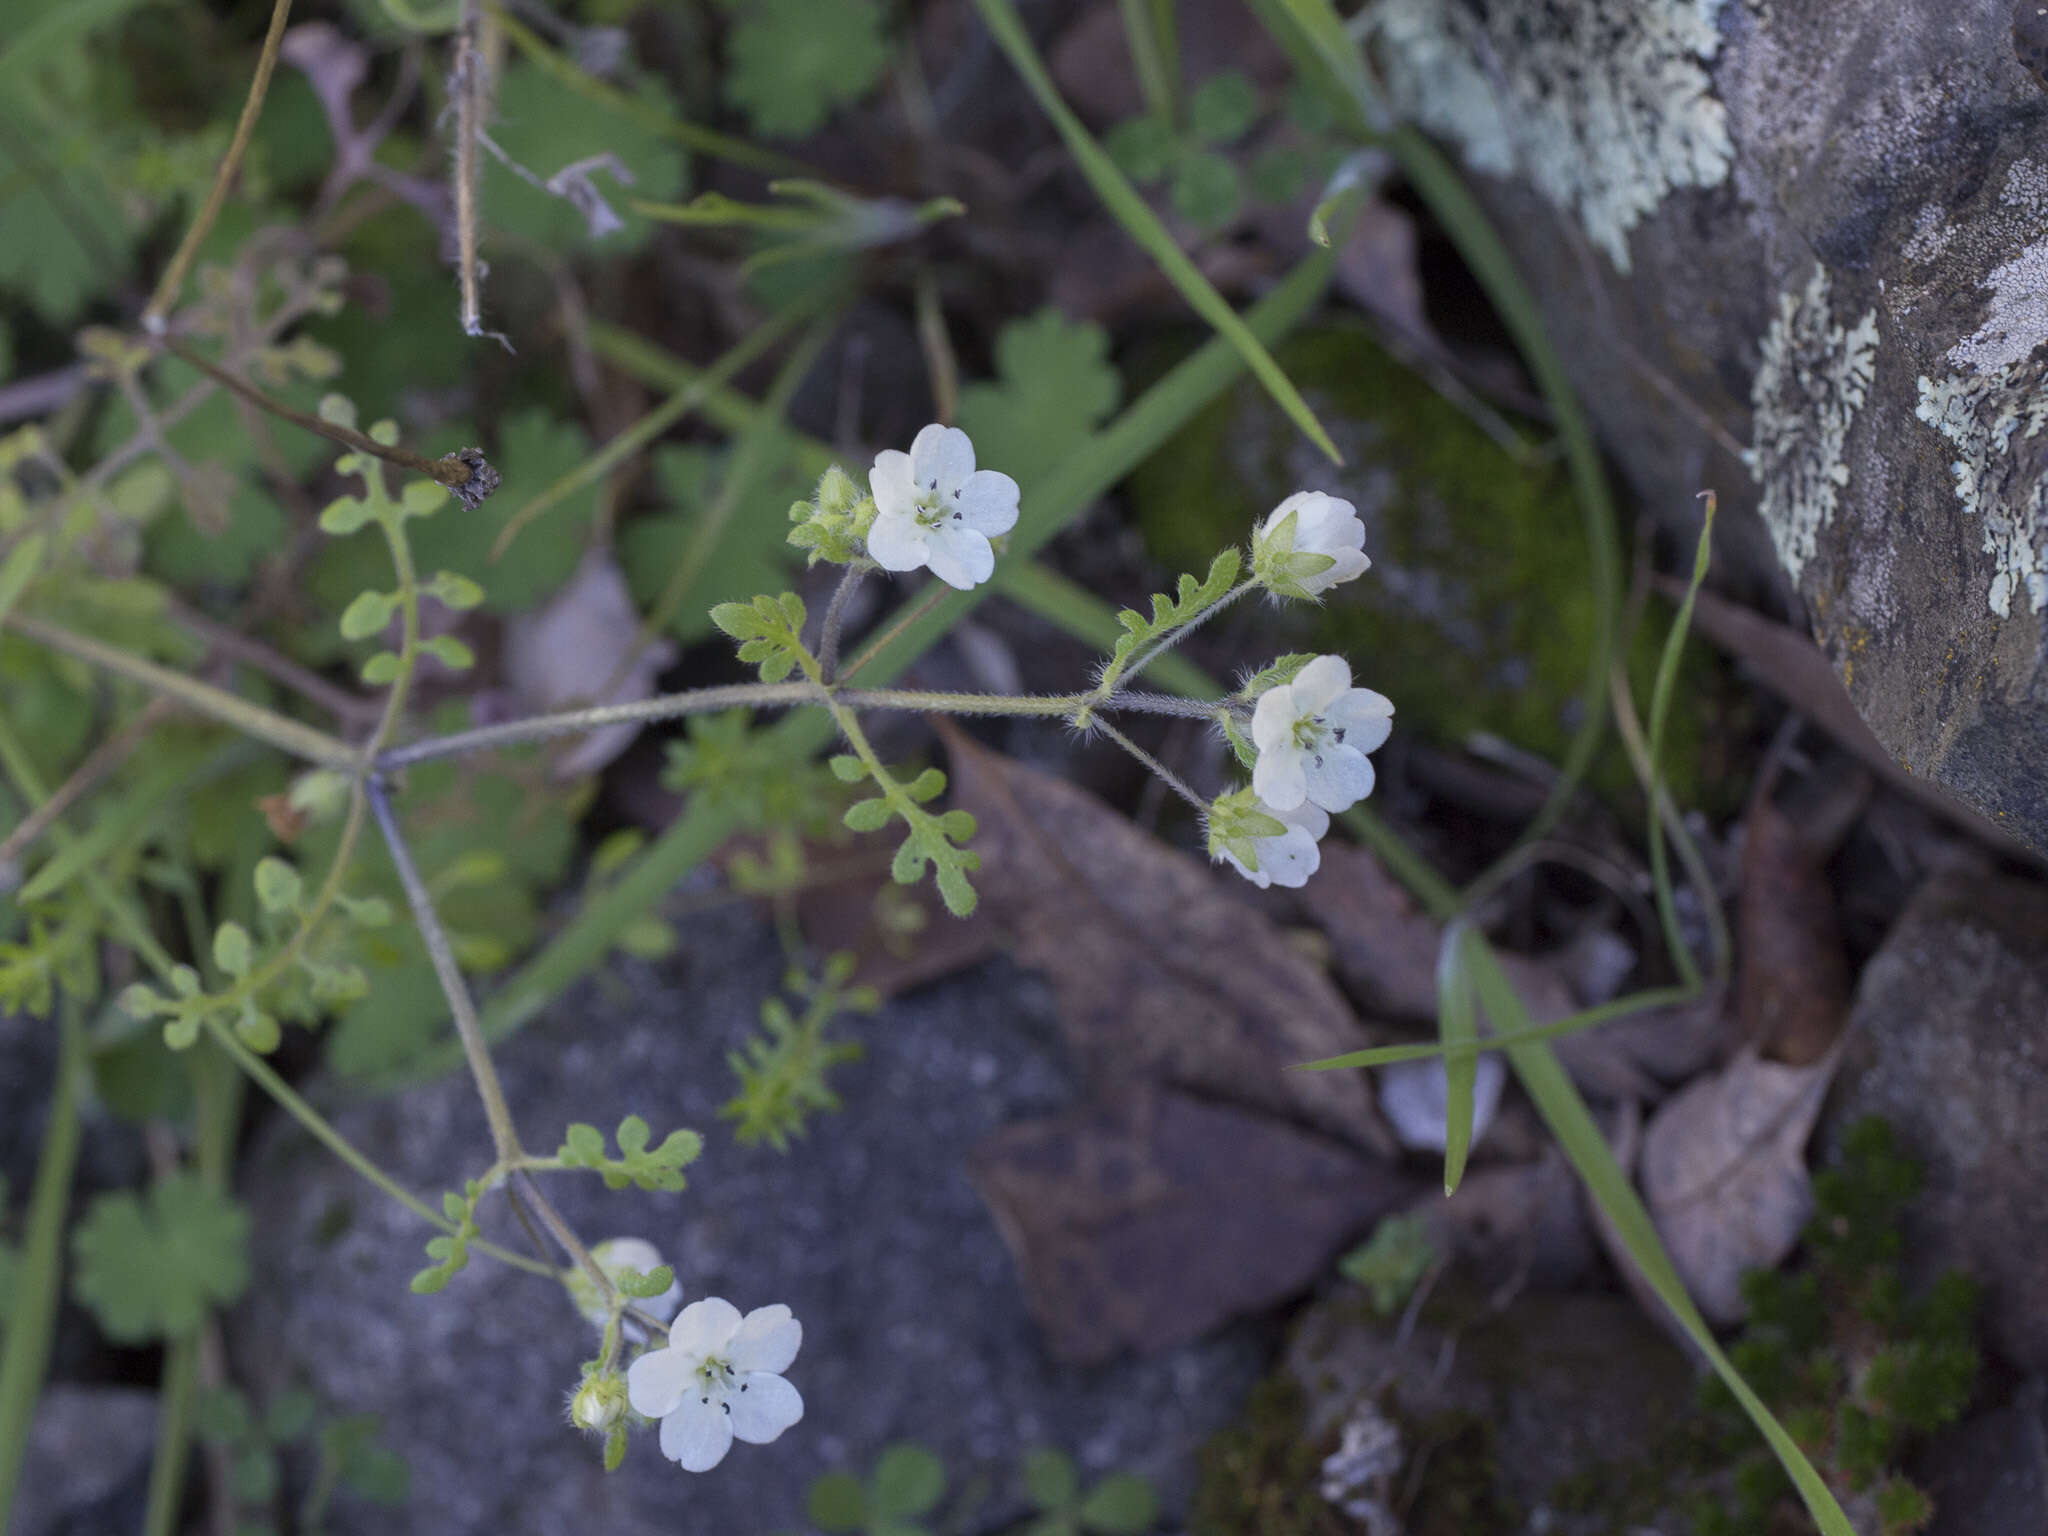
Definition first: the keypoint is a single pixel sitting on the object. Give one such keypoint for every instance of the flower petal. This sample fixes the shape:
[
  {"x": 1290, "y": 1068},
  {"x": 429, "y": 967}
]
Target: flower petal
[
  {"x": 768, "y": 1340},
  {"x": 704, "y": 1328},
  {"x": 941, "y": 459},
  {"x": 959, "y": 556},
  {"x": 1289, "y": 859},
  {"x": 1338, "y": 777},
  {"x": 1365, "y": 718},
  {"x": 1319, "y": 684},
  {"x": 890, "y": 483},
  {"x": 1279, "y": 778},
  {"x": 986, "y": 502},
  {"x": 659, "y": 1380},
  {"x": 763, "y": 1406},
  {"x": 698, "y": 1434},
  {"x": 1273, "y": 719},
  {"x": 896, "y": 542}
]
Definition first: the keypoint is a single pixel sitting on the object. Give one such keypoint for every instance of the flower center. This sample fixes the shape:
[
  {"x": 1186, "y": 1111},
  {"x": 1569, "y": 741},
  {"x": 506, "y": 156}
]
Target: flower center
[
  {"x": 716, "y": 1381},
  {"x": 932, "y": 508}
]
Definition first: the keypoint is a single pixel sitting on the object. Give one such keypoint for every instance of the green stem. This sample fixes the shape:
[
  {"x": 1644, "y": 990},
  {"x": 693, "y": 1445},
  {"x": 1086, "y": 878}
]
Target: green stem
[
  {"x": 32, "y": 1316},
  {"x": 504, "y": 1137},
  {"x": 1166, "y": 775},
  {"x": 1479, "y": 244},
  {"x": 230, "y": 709},
  {"x": 322, "y": 1131},
  {"x": 668, "y": 706},
  {"x": 177, "y": 1388}
]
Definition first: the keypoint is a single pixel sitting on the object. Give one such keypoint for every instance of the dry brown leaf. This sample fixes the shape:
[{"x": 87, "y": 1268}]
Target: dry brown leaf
[
  {"x": 1160, "y": 974},
  {"x": 1142, "y": 1221},
  {"x": 1794, "y": 984},
  {"x": 1384, "y": 949},
  {"x": 1724, "y": 1173}
]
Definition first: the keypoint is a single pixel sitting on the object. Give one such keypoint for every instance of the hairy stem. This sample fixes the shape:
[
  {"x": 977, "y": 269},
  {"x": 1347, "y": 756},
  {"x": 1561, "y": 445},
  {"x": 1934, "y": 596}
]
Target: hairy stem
[
  {"x": 504, "y": 1137},
  {"x": 835, "y": 616},
  {"x": 1166, "y": 775}
]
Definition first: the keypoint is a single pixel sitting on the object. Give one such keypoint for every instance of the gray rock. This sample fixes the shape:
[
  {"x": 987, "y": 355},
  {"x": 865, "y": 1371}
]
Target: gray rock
[
  {"x": 914, "y": 1325},
  {"x": 1989, "y": 1475},
  {"x": 1814, "y": 233},
  {"x": 1950, "y": 1043},
  {"x": 87, "y": 1468}
]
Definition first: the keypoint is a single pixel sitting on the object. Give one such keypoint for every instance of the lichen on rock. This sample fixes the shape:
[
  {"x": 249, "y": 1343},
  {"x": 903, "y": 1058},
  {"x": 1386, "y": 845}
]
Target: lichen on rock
[
  {"x": 1995, "y": 420},
  {"x": 1808, "y": 388},
  {"x": 1603, "y": 104}
]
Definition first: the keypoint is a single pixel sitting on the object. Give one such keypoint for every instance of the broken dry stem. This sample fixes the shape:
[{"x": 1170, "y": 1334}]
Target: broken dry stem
[{"x": 465, "y": 474}]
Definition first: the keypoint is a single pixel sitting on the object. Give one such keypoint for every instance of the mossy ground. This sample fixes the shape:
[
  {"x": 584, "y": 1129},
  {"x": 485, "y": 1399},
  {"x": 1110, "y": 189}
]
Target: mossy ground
[{"x": 1479, "y": 613}]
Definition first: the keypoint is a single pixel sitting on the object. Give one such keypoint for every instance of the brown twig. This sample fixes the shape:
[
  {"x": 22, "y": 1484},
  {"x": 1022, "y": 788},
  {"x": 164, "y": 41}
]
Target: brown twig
[
  {"x": 173, "y": 280},
  {"x": 466, "y": 473}
]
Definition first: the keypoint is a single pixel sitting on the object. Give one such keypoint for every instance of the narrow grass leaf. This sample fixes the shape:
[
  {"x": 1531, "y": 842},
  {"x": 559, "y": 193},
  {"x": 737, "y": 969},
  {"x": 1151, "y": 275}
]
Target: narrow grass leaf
[
  {"x": 1660, "y": 710},
  {"x": 19, "y": 570},
  {"x": 1565, "y": 1112},
  {"x": 1143, "y": 225}
]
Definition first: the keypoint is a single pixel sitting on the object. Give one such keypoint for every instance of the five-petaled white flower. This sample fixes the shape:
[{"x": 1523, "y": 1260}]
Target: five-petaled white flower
[
  {"x": 933, "y": 507},
  {"x": 1322, "y": 527},
  {"x": 717, "y": 1381},
  {"x": 1313, "y": 734},
  {"x": 1292, "y": 857}
]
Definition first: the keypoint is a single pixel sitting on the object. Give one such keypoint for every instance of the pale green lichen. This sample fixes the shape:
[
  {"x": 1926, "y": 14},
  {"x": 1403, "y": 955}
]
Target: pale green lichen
[
  {"x": 1988, "y": 418},
  {"x": 1811, "y": 382},
  {"x": 2017, "y": 318},
  {"x": 1603, "y": 104}
]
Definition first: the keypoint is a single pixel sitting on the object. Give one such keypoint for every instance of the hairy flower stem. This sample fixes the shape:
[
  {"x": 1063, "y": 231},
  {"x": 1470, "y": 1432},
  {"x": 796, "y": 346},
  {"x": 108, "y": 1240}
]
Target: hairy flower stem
[
  {"x": 1166, "y": 775},
  {"x": 172, "y": 283},
  {"x": 699, "y": 701},
  {"x": 939, "y": 593},
  {"x": 324, "y": 1132},
  {"x": 835, "y": 615},
  {"x": 1168, "y": 641},
  {"x": 504, "y": 1137}
]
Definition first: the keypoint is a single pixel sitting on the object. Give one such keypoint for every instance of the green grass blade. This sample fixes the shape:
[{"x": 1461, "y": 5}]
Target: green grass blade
[
  {"x": 689, "y": 392},
  {"x": 705, "y": 141},
  {"x": 1660, "y": 710},
  {"x": 1312, "y": 27},
  {"x": 1148, "y": 58},
  {"x": 1565, "y": 1112},
  {"x": 1059, "y": 498},
  {"x": 19, "y": 570},
  {"x": 1457, "y": 1028},
  {"x": 1556, "y": 1029},
  {"x": 1143, "y": 225},
  {"x": 1451, "y": 201},
  {"x": 32, "y": 1317}
]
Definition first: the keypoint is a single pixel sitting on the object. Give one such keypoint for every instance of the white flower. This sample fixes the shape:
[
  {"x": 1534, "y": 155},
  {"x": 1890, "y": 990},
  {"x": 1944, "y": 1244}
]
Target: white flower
[
  {"x": 933, "y": 507},
  {"x": 1326, "y": 529},
  {"x": 1313, "y": 734},
  {"x": 616, "y": 1255},
  {"x": 717, "y": 1381},
  {"x": 1290, "y": 858},
  {"x": 1416, "y": 1095}
]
